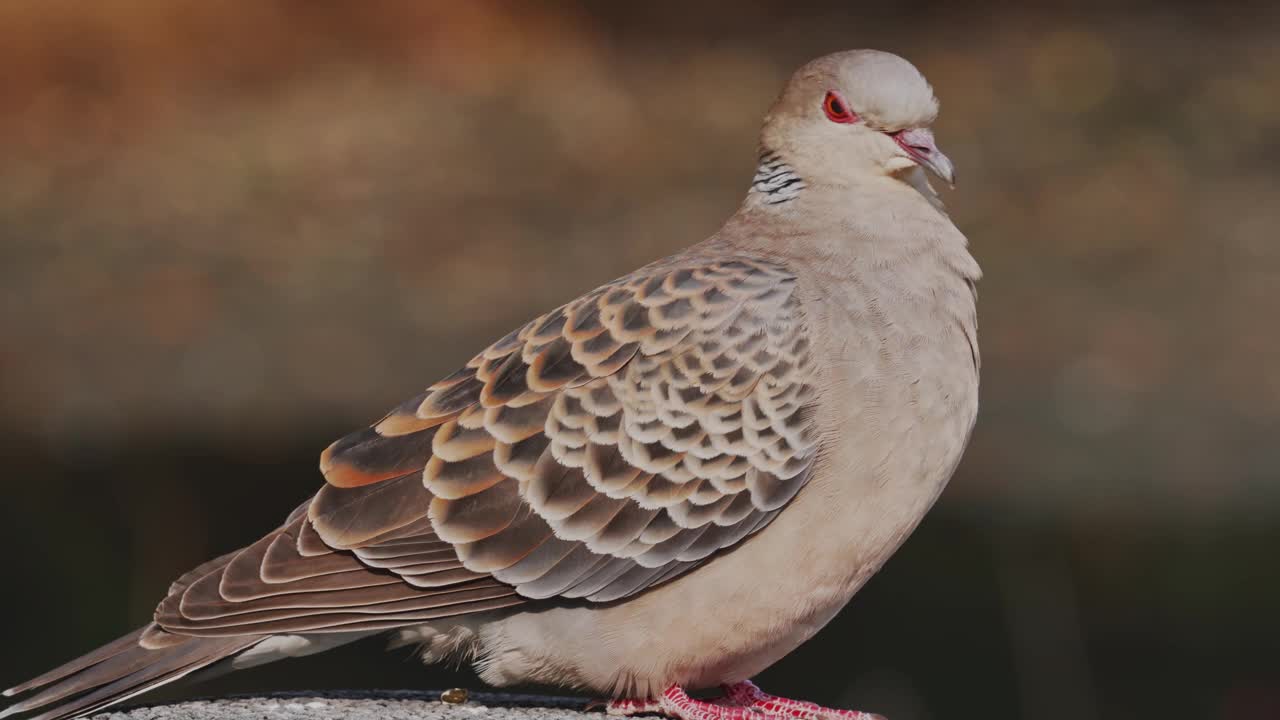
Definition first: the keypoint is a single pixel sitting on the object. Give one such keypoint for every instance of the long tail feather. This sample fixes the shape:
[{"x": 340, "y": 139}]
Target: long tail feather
[
  {"x": 109, "y": 650},
  {"x": 136, "y": 663}
]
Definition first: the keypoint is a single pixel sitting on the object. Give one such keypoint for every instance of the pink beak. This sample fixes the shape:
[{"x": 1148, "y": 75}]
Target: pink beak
[{"x": 919, "y": 144}]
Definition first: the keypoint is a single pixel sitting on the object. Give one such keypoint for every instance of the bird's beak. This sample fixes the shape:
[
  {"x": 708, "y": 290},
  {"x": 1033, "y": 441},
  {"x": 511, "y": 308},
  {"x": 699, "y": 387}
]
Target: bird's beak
[{"x": 919, "y": 144}]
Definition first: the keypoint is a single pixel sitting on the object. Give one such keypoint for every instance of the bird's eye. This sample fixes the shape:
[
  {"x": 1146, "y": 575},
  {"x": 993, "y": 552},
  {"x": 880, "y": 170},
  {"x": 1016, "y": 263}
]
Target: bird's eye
[{"x": 837, "y": 111}]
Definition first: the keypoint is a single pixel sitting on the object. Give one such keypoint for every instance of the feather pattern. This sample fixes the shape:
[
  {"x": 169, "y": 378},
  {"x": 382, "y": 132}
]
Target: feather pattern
[
  {"x": 648, "y": 424},
  {"x": 610, "y": 444}
]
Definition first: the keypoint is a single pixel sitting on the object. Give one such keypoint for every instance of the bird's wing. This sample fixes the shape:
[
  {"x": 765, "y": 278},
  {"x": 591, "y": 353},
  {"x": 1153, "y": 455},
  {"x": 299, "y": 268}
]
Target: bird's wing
[{"x": 606, "y": 446}]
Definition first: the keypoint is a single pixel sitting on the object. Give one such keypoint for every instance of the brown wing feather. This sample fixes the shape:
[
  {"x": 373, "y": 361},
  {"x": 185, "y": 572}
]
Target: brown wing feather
[
  {"x": 271, "y": 587},
  {"x": 640, "y": 428},
  {"x": 608, "y": 445},
  {"x": 349, "y": 517}
]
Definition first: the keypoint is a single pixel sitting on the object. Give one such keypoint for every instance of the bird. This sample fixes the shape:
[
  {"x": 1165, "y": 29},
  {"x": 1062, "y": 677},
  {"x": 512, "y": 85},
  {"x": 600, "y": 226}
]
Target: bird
[{"x": 661, "y": 487}]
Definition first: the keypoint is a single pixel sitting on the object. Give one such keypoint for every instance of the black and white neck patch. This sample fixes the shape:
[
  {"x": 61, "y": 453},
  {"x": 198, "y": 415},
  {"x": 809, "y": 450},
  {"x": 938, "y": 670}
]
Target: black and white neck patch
[{"x": 775, "y": 179}]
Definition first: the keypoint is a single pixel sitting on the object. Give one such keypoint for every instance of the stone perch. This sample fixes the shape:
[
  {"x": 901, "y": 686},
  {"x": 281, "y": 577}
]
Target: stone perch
[{"x": 370, "y": 705}]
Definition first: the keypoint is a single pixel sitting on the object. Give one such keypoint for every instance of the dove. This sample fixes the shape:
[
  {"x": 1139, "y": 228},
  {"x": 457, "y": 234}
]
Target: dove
[{"x": 663, "y": 486}]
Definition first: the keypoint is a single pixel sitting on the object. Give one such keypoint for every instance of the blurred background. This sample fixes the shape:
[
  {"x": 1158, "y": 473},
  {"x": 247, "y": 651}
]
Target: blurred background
[{"x": 232, "y": 232}]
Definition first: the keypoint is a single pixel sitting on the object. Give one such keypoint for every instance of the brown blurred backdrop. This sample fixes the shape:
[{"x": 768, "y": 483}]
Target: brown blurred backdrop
[{"x": 230, "y": 232}]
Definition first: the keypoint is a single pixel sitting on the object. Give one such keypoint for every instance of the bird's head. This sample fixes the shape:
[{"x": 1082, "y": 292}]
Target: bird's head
[{"x": 851, "y": 115}]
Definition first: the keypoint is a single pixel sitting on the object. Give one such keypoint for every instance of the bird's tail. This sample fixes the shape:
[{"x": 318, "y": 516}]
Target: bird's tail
[{"x": 140, "y": 661}]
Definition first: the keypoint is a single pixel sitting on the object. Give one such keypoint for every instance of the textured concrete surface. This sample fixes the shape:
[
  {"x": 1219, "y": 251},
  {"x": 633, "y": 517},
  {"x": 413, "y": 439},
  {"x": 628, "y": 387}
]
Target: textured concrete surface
[{"x": 380, "y": 705}]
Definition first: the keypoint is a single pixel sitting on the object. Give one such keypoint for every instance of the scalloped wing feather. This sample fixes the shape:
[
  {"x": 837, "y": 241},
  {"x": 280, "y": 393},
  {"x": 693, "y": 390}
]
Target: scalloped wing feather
[{"x": 648, "y": 424}]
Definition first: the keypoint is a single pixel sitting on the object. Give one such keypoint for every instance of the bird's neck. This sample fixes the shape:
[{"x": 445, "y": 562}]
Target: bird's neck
[
  {"x": 882, "y": 221},
  {"x": 780, "y": 185},
  {"x": 775, "y": 182}
]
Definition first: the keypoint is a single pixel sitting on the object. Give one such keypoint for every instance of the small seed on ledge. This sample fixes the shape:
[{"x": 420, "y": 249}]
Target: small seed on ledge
[{"x": 454, "y": 696}]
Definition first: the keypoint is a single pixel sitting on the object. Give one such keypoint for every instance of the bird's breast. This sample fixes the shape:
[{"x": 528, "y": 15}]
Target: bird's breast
[{"x": 900, "y": 397}]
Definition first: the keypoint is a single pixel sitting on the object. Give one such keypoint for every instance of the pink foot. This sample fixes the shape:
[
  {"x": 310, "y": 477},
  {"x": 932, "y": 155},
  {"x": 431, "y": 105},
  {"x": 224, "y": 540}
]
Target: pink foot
[
  {"x": 741, "y": 701},
  {"x": 746, "y": 694},
  {"x": 676, "y": 703}
]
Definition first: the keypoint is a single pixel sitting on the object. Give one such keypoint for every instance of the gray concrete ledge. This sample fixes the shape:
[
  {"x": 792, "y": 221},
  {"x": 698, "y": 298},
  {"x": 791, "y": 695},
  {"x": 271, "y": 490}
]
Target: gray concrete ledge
[{"x": 372, "y": 705}]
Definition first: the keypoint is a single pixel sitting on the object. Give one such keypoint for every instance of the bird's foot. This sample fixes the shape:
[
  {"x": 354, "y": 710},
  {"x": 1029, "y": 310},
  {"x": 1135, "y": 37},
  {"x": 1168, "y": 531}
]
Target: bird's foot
[
  {"x": 741, "y": 701},
  {"x": 746, "y": 694},
  {"x": 676, "y": 703}
]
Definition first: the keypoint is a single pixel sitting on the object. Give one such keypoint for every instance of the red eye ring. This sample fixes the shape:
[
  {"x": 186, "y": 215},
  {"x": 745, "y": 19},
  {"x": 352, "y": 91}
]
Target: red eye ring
[{"x": 837, "y": 110}]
